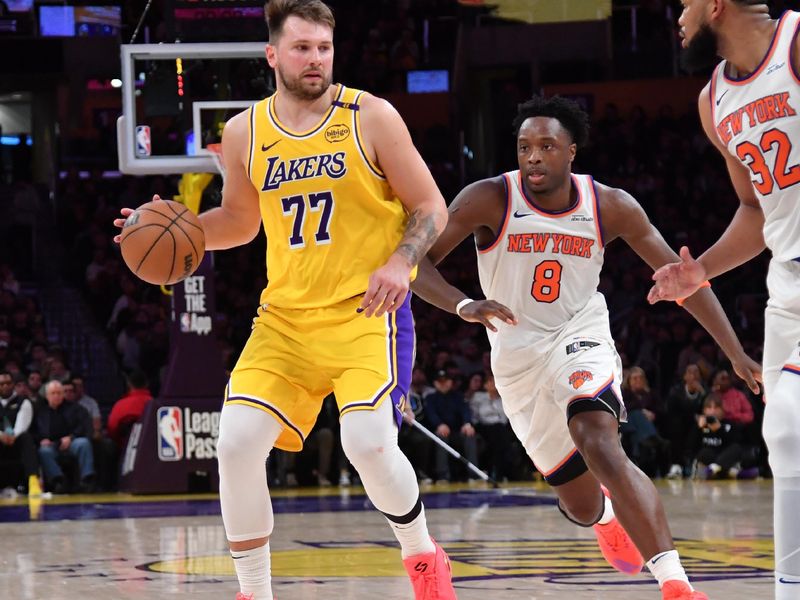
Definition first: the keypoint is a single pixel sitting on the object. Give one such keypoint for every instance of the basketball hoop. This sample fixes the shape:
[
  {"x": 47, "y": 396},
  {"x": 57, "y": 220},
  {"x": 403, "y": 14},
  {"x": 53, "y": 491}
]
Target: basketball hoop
[{"x": 215, "y": 150}]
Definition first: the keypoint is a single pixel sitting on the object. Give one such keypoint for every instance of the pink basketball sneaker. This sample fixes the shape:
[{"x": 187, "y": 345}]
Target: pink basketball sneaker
[
  {"x": 679, "y": 590},
  {"x": 617, "y": 546},
  {"x": 430, "y": 575}
]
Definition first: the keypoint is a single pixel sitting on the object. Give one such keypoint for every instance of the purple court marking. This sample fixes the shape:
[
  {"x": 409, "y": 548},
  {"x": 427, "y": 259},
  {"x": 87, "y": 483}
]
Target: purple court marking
[{"x": 300, "y": 504}]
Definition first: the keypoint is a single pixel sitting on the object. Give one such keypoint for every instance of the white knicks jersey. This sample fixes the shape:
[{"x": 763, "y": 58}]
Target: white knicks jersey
[
  {"x": 757, "y": 118},
  {"x": 545, "y": 266}
]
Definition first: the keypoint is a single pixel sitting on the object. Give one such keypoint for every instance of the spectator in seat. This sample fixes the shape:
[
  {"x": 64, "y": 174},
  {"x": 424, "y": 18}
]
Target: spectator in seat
[
  {"x": 35, "y": 386},
  {"x": 451, "y": 418},
  {"x": 475, "y": 384},
  {"x": 715, "y": 443},
  {"x": 21, "y": 388},
  {"x": 88, "y": 403},
  {"x": 413, "y": 442},
  {"x": 105, "y": 450},
  {"x": 16, "y": 441},
  {"x": 492, "y": 426},
  {"x": 61, "y": 429},
  {"x": 647, "y": 448},
  {"x": 57, "y": 370},
  {"x": 684, "y": 403},
  {"x": 128, "y": 409},
  {"x": 38, "y": 356},
  {"x": 735, "y": 404}
]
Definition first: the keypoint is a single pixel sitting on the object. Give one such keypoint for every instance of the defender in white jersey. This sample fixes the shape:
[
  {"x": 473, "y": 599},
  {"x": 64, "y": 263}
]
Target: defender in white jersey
[
  {"x": 540, "y": 234},
  {"x": 749, "y": 111}
]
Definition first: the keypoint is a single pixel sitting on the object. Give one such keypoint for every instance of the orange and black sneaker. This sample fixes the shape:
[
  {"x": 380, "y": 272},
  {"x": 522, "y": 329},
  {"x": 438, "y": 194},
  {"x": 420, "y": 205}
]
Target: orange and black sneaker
[
  {"x": 680, "y": 590},
  {"x": 617, "y": 546},
  {"x": 430, "y": 575}
]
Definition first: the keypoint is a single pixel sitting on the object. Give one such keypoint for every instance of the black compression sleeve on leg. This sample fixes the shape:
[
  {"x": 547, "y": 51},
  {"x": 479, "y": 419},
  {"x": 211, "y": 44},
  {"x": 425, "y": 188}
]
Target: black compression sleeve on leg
[
  {"x": 600, "y": 516},
  {"x": 406, "y": 519}
]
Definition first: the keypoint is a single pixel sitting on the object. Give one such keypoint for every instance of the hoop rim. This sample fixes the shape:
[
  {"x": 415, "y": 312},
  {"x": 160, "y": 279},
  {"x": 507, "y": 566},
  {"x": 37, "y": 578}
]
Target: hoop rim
[{"x": 215, "y": 150}]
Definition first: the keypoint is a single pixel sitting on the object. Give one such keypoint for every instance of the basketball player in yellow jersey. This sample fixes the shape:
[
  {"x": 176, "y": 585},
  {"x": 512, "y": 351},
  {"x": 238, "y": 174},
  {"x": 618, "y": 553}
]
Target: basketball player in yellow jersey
[{"x": 349, "y": 209}]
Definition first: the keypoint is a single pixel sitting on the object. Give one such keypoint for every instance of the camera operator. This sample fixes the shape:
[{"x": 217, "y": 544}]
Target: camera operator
[{"x": 715, "y": 443}]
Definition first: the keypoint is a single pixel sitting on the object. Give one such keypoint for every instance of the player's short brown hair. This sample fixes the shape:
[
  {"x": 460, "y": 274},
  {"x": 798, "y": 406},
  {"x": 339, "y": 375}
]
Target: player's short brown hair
[{"x": 277, "y": 11}]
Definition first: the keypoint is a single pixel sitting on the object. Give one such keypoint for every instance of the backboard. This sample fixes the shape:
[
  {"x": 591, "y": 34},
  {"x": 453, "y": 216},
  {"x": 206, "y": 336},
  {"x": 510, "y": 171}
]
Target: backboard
[{"x": 176, "y": 99}]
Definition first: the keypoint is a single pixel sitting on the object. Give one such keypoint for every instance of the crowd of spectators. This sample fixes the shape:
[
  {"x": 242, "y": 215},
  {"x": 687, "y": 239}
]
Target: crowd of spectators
[
  {"x": 49, "y": 423},
  {"x": 663, "y": 160},
  {"x": 678, "y": 386}
]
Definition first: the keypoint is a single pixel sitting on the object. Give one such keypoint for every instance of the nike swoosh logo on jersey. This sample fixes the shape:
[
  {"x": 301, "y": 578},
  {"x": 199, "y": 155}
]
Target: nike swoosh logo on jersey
[
  {"x": 722, "y": 96},
  {"x": 519, "y": 215},
  {"x": 782, "y": 580},
  {"x": 265, "y": 148}
]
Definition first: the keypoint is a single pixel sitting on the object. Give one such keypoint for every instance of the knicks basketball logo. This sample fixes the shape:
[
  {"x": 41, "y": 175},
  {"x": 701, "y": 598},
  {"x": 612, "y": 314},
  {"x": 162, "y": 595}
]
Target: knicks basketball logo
[
  {"x": 337, "y": 133},
  {"x": 170, "y": 433},
  {"x": 578, "y": 378}
]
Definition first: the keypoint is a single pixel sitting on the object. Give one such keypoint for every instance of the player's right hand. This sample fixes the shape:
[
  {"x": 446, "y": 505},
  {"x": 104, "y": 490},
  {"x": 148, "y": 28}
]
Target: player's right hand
[
  {"x": 749, "y": 371},
  {"x": 677, "y": 280},
  {"x": 126, "y": 212},
  {"x": 481, "y": 311}
]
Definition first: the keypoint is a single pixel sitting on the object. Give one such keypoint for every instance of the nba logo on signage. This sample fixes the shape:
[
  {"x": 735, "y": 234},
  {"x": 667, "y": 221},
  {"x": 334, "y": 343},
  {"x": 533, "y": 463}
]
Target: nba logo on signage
[
  {"x": 143, "y": 147},
  {"x": 186, "y": 322},
  {"x": 170, "y": 433}
]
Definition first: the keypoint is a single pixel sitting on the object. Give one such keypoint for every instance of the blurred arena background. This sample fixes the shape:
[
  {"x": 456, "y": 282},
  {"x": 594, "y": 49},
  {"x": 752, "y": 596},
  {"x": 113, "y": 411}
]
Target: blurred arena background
[{"x": 456, "y": 70}]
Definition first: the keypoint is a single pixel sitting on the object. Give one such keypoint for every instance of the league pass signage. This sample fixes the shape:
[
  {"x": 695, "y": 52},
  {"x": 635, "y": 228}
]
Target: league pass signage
[{"x": 186, "y": 434}]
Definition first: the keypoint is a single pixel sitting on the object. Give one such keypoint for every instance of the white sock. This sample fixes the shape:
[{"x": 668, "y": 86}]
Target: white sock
[
  {"x": 666, "y": 566},
  {"x": 608, "y": 512},
  {"x": 787, "y": 538},
  {"x": 253, "y": 571},
  {"x": 413, "y": 537}
]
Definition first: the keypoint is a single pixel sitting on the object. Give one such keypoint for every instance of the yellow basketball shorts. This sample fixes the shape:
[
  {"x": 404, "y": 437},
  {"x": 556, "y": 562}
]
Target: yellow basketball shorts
[{"x": 296, "y": 357}]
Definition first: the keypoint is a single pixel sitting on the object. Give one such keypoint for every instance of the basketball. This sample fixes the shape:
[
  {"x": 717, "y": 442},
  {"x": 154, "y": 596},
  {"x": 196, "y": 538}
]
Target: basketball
[{"x": 162, "y": 242}]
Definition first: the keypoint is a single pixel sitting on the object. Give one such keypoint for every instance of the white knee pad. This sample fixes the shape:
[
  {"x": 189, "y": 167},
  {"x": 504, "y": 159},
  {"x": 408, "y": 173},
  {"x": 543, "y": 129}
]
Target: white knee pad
[
  {"x": 246, "y": 436},
  {"x": 782, "y": 426},
  {"x": 369, "y": 440}
]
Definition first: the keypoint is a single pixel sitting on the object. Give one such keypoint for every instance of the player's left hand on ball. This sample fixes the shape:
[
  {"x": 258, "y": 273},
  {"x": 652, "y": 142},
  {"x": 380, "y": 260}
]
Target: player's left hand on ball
[
  {"x": 126, "y": 212},
  {"x": 750, "y": 371},
  {"x": 482, "y": 311},
  {"x": 388, "y": 288},
  {"x": 120, "y": 223}
]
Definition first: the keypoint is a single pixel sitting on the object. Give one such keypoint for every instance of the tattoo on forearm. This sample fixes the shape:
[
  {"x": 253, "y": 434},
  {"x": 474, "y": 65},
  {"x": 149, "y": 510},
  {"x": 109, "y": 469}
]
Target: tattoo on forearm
[{"x": 421, "y": 232}]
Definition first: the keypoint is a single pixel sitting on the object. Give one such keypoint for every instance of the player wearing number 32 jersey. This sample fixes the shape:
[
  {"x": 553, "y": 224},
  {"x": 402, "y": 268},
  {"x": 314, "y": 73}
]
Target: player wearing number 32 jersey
[
  {"x": 540, "y": 233},
  {"x": 750, "y": 110}
]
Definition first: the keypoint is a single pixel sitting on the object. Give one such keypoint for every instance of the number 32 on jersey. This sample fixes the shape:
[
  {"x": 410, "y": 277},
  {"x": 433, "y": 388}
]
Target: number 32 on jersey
[
  {"x": 298, "y": 206},
  {"x": 753, "y": 157}
]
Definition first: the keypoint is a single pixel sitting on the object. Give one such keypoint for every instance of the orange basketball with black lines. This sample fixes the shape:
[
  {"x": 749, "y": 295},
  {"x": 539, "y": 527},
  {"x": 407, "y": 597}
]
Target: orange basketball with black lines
[{"x": 162, "y": 242}]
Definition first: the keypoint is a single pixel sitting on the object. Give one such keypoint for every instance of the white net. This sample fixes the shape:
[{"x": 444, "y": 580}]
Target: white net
[{"x": 215, "y": 150}]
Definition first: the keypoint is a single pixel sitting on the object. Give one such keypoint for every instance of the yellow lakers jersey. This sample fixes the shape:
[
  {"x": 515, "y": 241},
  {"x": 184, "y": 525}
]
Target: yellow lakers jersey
[{"x": 330, "y": 217}]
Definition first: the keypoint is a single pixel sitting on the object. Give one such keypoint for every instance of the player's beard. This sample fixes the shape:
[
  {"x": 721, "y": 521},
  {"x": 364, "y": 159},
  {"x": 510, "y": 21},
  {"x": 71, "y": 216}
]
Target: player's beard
[
  {"x": 702, "y": 51},
  {"x": 298, "y": 88}
]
